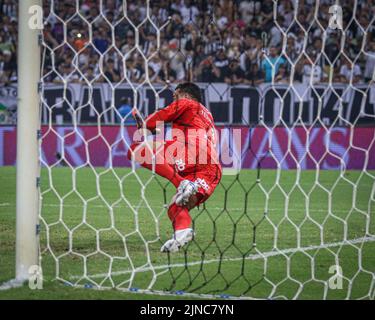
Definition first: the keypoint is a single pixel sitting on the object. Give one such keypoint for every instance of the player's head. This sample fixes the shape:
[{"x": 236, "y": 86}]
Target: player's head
[{"x": 187, "y": 90}]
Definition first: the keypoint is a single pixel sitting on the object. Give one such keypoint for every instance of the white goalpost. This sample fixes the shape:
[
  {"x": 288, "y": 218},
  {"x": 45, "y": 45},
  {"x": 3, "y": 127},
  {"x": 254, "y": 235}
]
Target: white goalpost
[
  {"x": 28, "y": 126},
  {"x": 299, "y": 224}
]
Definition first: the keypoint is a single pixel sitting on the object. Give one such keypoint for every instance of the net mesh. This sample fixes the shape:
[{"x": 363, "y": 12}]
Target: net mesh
[{"x": 276, "y": 231}]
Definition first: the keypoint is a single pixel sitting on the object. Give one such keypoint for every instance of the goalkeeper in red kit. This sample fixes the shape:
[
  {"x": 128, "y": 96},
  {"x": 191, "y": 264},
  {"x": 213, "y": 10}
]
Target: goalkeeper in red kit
[{"x": 189, "y": 160}]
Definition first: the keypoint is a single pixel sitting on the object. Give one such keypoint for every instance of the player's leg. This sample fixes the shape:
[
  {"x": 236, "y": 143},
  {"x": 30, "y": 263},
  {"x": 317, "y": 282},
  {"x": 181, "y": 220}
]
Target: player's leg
[
  {"x": 182, "y": 224},
  {"x": 179, "y": 214},
  {"x": 206, "y": 181},
  {"x": 144, "y": 156}
]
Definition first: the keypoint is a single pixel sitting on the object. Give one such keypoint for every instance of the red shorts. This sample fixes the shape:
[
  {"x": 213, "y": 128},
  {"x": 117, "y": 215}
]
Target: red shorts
[
  {"x": 206, "y": 182},
  {"x": 207, "y": 174}
]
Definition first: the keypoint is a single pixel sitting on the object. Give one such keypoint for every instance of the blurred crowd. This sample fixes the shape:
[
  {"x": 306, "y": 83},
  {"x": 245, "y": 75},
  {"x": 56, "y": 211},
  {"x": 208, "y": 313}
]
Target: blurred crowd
[{"x": 237, "y": 42}]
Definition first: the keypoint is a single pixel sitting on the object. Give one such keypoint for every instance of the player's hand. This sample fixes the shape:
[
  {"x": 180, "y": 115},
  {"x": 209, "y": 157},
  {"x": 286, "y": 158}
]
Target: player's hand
[
  {"x": 139, "y": 121},
  {"x": 137, "y": 117}
]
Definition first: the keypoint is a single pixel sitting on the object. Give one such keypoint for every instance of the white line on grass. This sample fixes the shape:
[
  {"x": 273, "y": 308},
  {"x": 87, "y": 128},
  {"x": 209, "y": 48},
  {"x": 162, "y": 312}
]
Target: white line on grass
[
  {"x": 250, "y": 257},
  {"x": 6, "y": 204},
  {"x": 295, "y": 209}
]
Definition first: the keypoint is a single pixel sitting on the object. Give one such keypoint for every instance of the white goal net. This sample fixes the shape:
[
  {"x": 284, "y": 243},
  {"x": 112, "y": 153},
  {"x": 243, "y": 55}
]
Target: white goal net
[{"x": 290, "y": 86}]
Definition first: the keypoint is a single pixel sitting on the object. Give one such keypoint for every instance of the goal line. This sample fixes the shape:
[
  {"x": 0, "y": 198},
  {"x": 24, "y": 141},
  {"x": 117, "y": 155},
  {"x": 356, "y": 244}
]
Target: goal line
[{"x": 257, "y": 256}]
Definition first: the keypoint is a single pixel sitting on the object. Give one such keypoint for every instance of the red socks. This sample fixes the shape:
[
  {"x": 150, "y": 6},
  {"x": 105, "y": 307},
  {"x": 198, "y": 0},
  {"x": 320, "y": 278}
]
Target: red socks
[
  {"x": 179, "y": 216},
  {"x": 162, "y": 168}
]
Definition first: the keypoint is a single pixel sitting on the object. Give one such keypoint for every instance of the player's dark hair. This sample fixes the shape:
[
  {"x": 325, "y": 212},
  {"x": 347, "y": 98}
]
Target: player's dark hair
[{"x": 191, "y": 89}]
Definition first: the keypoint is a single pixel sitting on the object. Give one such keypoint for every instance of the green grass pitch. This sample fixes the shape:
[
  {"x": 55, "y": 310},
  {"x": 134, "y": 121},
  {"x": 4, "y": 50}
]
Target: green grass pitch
[{"x": 107, "y": 223}]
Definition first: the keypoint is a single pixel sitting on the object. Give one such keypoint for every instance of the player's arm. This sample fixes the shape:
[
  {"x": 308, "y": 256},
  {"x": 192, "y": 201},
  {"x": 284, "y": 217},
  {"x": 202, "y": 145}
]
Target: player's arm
[
  {"x": 137, "y": 117},
  {"x": 139, "y": 120},
  {"x": 168, "y": 114}
]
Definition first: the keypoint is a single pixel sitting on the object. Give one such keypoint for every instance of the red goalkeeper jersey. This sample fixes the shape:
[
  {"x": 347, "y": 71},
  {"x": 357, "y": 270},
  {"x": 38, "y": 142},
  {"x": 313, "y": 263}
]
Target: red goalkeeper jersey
[
  {"x": 195, "y": 122},
  {"x": 185, "y": 114}
]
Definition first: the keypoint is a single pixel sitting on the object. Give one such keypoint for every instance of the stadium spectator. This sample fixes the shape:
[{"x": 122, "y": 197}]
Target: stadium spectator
[
  {"x": 149, "y": 44},
  {"x": 111, "y": 73},
  {"x": 271, "y": 64},
  {"x": 252, "y": 52},
  {"x": 49, "y": 37},
  {"x": 6, "y": 44},
  {"x": 9, "y": 67},
  {"x": 291, "y": 48},
  {"x": 101, "y": 40},
  {"x": 192, "y": 41},
  {"x": 310, "y": 72},
  {"x": 247, "y": 9},
  {"x": 189, "y": 12},
  {"x": 124, "y": 111},
  {"x": 300, "y": 40},
  {"x": 166, "y": 73},
  {"x": 68, "y": 74},
  {"x": 79, "y": 41},
  {"x": 132, "y": 71},
  {"x": 282, "y": 75},
  {"x": 275, "y": 33},
  {"x": 265, "y": 14},
  {"x": 92, "y": 13},
  {"x": 129, "y": 42},
  {"x": 177, "y": 61},
  {"x": 285, "y": 10},
  {"x": 89, "y": 74},
  {"x": 9, "y": 8},
  {"x": 234, "y": 52},
  {"x": 156, "y": 65},
  {"x": 212, "y": 40},
  {"x": 197, "y": 41},
  {"x": 2, "y": 73},
  {"x": 221, "y": 62},
  {"x": 350, "y": 72},
  {"x": 175, "y": 25},
  {"x": 220, "y": 19},
  {"x": 254, "y": 75},
  {"x": 233, "y": 74},
  {"x": 198, "y": 55},
  {"x": 370, "y": 62},
  {"x": 207, "y": 71},
  {"x": 254, "y": 28}
]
